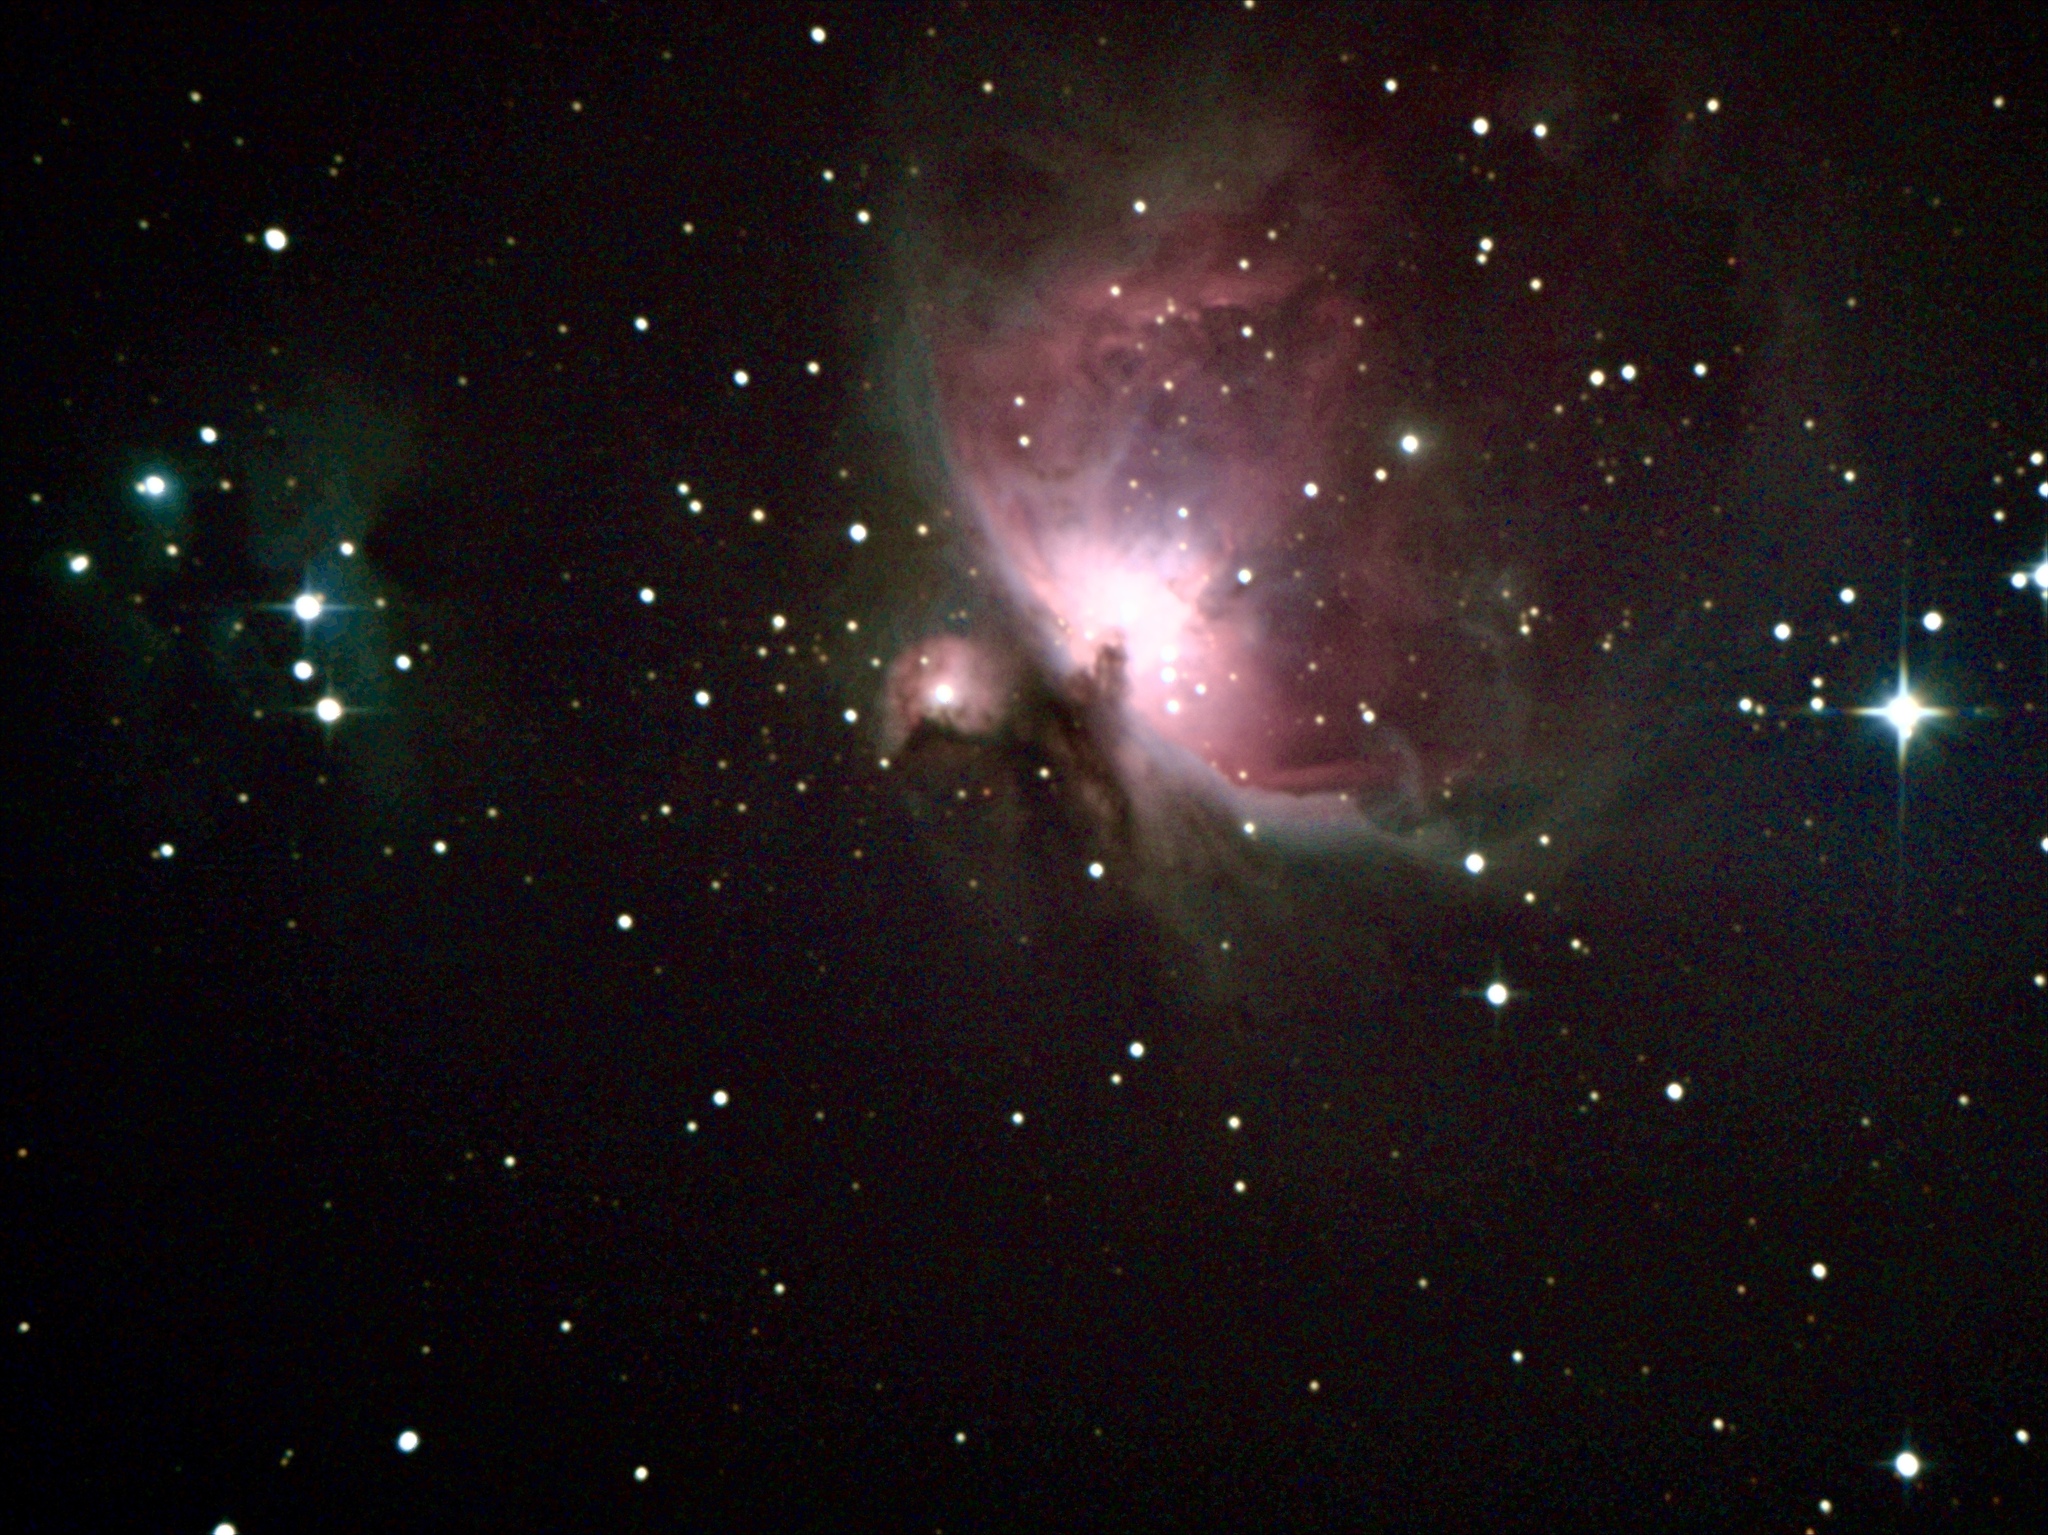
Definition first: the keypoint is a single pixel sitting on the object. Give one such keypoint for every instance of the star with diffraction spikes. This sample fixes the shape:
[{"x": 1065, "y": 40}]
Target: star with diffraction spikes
[{"x": 1904, "y": 713}]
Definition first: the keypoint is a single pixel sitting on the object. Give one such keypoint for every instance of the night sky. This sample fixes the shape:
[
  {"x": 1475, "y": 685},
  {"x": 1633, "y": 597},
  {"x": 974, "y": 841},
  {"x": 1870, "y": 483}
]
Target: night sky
[{"x": 969, "y": 766}]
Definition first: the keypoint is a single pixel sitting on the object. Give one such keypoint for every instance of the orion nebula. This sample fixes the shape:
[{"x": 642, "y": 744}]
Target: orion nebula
[
  {"x": 1337, "y": 461},
  {"x": 1207, "y": 511},
  {"x": 1147, "y": 453}
]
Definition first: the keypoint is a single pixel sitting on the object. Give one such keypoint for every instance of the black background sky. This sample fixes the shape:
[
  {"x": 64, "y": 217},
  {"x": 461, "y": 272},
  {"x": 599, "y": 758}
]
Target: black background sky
[{"x": 676, "y": 1119}]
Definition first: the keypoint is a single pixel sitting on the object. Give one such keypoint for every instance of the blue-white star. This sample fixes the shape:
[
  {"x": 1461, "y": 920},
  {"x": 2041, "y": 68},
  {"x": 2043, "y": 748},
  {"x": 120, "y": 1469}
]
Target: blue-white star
[{"x": 1904, "y": 712}]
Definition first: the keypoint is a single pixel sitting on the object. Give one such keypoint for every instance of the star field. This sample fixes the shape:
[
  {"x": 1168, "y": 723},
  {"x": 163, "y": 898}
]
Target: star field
[{"x": 1004, "y": 766}]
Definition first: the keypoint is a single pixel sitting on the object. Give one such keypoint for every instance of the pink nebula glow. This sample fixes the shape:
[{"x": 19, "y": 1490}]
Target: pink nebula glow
[
  {"x": 954, "y": 683},
  {"x": 1185, "y": 464}
]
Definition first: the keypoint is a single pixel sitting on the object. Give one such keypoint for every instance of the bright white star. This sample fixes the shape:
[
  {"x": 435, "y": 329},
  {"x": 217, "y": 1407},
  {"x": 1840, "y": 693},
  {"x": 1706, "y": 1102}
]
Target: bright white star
[{"x": 1903, "y": 713}]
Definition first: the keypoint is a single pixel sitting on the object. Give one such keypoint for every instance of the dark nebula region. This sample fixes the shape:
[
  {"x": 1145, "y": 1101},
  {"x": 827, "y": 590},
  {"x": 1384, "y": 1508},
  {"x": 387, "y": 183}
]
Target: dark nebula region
[{"x": 1179, "y": 434}]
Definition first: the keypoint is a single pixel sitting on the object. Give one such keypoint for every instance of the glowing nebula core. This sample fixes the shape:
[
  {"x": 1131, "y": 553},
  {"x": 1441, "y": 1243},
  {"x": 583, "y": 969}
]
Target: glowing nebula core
[
  {"x": 1183, "y": 443},
  {"x": 948, "y": 682}
]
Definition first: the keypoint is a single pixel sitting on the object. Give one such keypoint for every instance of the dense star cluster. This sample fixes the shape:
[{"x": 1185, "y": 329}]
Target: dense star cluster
[{"x": 961, "y": 765}]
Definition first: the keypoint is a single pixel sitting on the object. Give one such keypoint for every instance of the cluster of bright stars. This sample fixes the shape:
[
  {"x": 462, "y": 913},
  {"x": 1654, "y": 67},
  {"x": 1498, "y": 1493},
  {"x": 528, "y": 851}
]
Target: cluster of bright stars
[
  {"x": 1903, "y": 711},
  {"x": 308, "y": 607}
]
